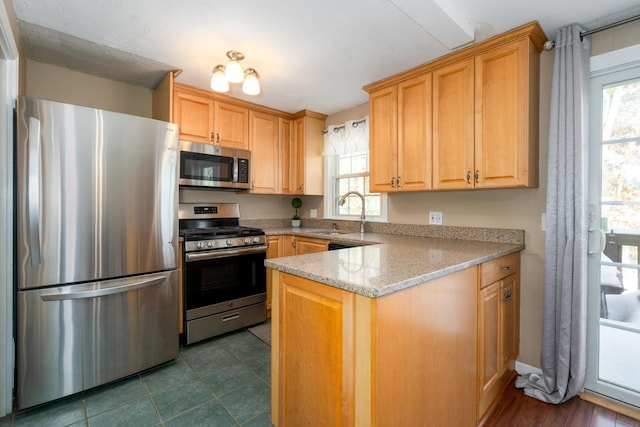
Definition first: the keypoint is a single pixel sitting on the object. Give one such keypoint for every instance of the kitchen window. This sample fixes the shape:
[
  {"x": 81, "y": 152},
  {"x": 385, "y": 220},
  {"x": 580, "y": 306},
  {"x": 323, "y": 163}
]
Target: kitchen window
[{"x": 350, "y": 172}]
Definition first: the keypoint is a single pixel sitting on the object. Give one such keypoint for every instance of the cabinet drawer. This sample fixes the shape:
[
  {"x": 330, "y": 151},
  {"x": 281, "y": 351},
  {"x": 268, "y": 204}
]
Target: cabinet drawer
[{"x": 499, "y": 268}]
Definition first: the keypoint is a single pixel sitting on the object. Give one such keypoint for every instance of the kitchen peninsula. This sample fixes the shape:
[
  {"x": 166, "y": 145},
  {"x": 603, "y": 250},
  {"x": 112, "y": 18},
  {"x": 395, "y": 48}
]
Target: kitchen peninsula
[{"x": 409, "y": 331}]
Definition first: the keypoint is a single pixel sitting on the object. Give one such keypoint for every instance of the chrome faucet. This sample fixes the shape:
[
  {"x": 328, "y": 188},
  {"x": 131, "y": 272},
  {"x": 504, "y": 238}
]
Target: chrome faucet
[{"x": 343, "y": 199}]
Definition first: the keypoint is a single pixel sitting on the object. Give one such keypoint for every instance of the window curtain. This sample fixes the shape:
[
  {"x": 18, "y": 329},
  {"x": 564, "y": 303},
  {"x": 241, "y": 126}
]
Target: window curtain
[
  {"x": 563, "y": 355},
  {"x": 348, "y": 138}
]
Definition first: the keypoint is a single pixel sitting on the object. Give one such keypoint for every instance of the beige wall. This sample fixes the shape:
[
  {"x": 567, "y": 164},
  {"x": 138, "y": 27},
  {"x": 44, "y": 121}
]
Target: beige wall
[{"x": 64, "y": 85}]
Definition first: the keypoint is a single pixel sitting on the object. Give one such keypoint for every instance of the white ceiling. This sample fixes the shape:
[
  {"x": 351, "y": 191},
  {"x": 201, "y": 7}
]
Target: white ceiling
[{"x": 313, "y": 55}]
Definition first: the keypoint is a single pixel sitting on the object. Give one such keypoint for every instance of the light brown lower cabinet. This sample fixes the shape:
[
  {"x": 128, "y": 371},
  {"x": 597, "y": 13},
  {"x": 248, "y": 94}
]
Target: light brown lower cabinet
[
  {"x": 433, "y": 354},
  {"x": 498, "y": 327},
  {"x": 343, "y": 359},
  {"x": 309, "y": 245},
  {"x": 274, "y": 250}
]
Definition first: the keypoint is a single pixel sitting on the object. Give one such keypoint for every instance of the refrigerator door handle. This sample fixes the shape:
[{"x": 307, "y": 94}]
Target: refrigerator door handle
[
  {"x": 33, "y": 198},
  {"x": 149, "y": 281}
]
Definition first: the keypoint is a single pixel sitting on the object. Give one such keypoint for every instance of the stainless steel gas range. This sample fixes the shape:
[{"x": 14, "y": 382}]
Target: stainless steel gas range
[{"x": 224, "y": 279}]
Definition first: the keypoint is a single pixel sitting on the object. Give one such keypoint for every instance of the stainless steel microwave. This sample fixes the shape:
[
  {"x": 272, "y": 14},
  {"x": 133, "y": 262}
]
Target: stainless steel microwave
[{"x": 213, "y": 167}]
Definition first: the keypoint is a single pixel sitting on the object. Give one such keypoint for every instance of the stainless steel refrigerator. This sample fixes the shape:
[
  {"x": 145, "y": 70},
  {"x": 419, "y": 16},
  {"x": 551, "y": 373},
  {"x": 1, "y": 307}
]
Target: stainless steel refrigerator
[{"x": 97, "y": 244}]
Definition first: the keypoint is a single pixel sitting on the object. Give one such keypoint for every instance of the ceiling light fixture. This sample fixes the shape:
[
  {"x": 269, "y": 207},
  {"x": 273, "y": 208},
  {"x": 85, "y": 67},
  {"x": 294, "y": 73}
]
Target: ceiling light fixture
[{"x": 234, "y": 73}]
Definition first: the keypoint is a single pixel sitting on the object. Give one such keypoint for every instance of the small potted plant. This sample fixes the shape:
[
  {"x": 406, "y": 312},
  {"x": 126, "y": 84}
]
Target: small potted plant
[{"x": 297, "y": 204}]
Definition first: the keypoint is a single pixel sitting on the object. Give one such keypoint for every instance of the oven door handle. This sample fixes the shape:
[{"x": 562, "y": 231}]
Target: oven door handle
[{"x": 224, "y": 253}]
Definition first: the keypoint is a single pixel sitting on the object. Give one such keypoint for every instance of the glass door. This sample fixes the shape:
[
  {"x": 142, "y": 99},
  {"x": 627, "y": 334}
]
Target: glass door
[{"x": 613, "y": 358}]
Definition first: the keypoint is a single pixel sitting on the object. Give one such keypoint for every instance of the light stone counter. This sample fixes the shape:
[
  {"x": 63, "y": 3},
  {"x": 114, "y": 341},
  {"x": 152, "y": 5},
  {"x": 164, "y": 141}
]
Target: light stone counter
[{"x": 387, "y": 263}]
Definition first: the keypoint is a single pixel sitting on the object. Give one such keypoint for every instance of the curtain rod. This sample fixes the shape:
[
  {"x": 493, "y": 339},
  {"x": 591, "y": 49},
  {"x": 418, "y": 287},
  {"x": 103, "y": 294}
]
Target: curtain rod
[
  {"x": 337, "y": 128},
  {"x": 606, "y": 27}
]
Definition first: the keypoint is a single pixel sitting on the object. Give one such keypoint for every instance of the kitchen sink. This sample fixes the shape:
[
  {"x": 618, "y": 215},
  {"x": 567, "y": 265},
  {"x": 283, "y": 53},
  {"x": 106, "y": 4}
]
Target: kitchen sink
[{"x": 329, "y": 232}]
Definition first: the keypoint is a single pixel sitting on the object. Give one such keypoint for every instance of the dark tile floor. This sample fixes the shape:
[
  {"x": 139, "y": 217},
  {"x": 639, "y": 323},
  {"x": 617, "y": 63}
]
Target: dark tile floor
[{"x": 225, "y": 381}]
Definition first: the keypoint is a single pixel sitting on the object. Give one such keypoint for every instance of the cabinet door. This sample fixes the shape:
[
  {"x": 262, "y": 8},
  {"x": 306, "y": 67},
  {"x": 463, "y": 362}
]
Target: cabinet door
[
  {"x": 501, "y": 121},
  {"x": 510, "y": 321},
  {"x": 305, "y": 245},
  {"x": 274, "y": 250},
  {"x": 383, "y": 139},
  {"x": 265, "y": 153},
  {"x": 453, "y": 103},
  {"x": 287, "y": 157},
  {"x": 489, "y": 340},
  {"x": 194, "y": 116},
  {"x": 288, "y": 245},
  {"x": 414, "y": 134},
  {"x": 499, "y": 326},
  {"x": 316, "y": 354},
  {"x": 299, "y": 132},
  {"x": 231, "y": 125}
]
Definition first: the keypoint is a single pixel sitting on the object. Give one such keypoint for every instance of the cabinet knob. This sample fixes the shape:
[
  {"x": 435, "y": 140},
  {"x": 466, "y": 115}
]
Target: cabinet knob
[
  {"x": 393, "y": 182},
  {"x": 506, "y": 293},
  {"x": 468, "y": 177},
  {"x": 213, "y": 137},
  {"x": 398, "y": 182},
  {"x": 217, "y": 138},
  {"x": 505, "y": 268},
  {"x": 477, "y": 176}
]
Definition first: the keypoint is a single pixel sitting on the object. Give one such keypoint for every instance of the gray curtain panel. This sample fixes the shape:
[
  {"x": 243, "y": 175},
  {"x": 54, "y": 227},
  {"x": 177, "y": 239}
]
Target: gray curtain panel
[{"x": 564, "y": 329}]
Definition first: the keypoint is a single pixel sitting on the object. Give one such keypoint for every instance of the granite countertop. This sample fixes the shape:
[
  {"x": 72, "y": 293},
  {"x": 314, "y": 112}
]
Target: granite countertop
[{"x": 387, "y": 263}]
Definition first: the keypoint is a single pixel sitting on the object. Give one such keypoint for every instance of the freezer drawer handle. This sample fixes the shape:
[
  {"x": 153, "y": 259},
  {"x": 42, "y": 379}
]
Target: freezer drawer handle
[
  {"x": 33, "y": 195},
  {"x": 150, "y": 281}
]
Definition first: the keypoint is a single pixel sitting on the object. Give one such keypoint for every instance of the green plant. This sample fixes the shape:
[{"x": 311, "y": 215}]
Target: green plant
[{"x": 297, "y": 204}]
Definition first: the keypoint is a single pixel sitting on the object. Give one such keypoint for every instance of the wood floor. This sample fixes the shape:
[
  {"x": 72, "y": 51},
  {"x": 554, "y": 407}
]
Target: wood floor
[{"x": 516, "y": 409}]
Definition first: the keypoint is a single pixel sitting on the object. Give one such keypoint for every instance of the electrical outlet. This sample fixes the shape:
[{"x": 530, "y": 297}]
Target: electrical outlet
[
  {"x": 313, "y": 213},
  {"x": 435, "y": 218}
]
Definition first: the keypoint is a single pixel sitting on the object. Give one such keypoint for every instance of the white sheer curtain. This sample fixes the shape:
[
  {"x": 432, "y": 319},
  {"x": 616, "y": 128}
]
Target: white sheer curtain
[
  {"x": 351, "y": 137},
  {"x": 563, "y": 356}
]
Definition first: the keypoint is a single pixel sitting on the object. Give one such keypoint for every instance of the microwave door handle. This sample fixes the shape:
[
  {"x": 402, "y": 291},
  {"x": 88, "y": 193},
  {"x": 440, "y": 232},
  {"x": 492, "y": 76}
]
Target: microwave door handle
[
  {"x": 33, "y": 190},
  {"x": 236, "y": 169}
]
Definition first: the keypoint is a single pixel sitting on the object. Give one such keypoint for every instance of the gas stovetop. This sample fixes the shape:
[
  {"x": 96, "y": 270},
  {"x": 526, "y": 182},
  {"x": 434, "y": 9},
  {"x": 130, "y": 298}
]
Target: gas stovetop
[
  {"x": 223, "y": 231},
  {"x": 209, "y": 226}
]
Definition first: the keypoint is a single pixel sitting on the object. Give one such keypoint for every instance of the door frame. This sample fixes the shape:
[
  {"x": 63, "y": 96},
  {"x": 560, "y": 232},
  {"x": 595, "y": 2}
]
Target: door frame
[
  {"x": 8, "y": 93},
  {"x": 607, "y": 68}
]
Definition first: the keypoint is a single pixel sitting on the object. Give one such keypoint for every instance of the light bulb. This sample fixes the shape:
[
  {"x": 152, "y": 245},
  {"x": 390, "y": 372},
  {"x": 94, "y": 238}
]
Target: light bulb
[
  {"x": 251, "y": 84},
  {"x": 219, "y": 82},
  {"x": 233, "y": 70}
]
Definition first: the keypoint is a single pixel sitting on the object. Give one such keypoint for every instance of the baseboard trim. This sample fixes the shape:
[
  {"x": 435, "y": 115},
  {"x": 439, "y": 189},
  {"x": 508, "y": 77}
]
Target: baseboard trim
[
  {"x": 600, "y": 400},
  {"x": 524, "y": 369}
]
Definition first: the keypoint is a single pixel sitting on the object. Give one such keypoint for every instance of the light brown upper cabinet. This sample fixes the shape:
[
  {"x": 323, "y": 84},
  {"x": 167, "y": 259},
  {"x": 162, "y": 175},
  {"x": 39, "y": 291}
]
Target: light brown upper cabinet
[
  {"x": 483, "y": 109},
  {"x": 286, "y": 148},
  {"x": 287, "y": 156},
  {"x": 203, "y": 119},
  {"x": 231, "y": 125},
  {"x": 264, "y": 136},
  {"x": 194, "y": 115},
  {"x": 453, "y": 126},
  {"x": 400, "y": 136},
  {"x": 506, "y": 116},
  {"x": 481, "y": 129},
  {"x": 307, "y": 150}
]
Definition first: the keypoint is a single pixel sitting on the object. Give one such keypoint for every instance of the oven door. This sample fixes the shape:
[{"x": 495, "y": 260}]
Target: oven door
[{"x": 218, "y": 278}]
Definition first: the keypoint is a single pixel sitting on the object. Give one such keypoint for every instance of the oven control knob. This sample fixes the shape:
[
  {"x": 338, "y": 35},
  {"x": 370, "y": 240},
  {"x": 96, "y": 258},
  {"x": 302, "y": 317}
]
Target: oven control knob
[
  {"x": 229, "y": 242},
  {"x": 247, "y": 240},
  {"x": 200, "y": 245},
  {"x": 256, "y": 239},
  {"x": 209, "y": 244}
]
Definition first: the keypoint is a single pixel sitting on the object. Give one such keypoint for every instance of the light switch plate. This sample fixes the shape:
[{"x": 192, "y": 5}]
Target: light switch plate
[
  {"x": 313, "y": 213},
  {"x": 435, "y": 218}
]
